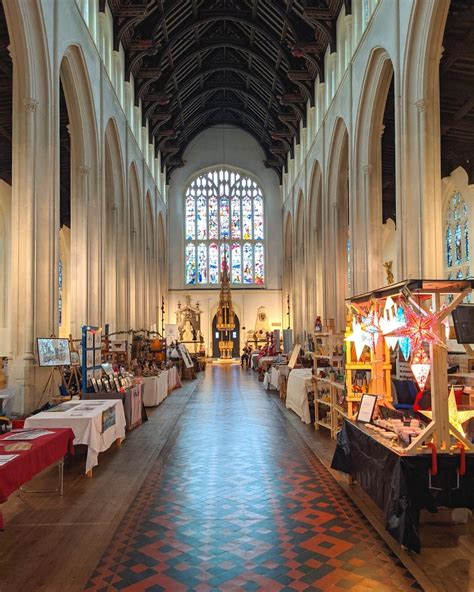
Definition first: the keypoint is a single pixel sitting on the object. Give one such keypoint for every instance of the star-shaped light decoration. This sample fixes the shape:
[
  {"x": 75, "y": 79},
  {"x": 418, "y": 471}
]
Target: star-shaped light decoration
[
  {"x": 389, "y": 321},
  {"x": 420, "y": 366},
  {"x": 456, "y": 418},
  {"x": 403, "y": 342},
  {"x": 371, "y": 324},
  {"x": 419, "y": 328},
  {"x": 359, "y": 337}
]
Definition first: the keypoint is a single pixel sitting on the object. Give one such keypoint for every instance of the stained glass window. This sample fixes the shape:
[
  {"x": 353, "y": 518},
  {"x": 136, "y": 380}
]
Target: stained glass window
[
  {"x": 213, "y": 263},
  {"x": 236, "y": 264},
  {"x": 259, "y": 264},
  {"x": 190, "y": 263},
  {"x": 60, "y": 289},
  {"x": 224, "y": 217},
  {"x": 248, "y": 264},
  {"x": 457, "y": 247}
]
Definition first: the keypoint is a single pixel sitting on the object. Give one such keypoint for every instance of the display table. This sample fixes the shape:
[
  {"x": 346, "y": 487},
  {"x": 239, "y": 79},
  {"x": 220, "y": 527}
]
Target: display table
[
  {"x": 254, "y": 360},
  {"x": 45, "y": 451},
  {"x": 132, "y": 399},
  {"x": 174, "y": 381},
  {"x": 299, "y": 385},
  {"x": 399, "y": 484},
  {"x": 97, "y": 424},
  {"x": 155, "y": 389}
]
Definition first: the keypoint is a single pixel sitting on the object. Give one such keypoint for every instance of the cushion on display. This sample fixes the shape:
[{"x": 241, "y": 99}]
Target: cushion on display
[{"x": 405, "y": 394}]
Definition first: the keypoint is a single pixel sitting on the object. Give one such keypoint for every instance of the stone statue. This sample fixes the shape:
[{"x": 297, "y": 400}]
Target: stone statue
[{"x": 388, "y": 271}]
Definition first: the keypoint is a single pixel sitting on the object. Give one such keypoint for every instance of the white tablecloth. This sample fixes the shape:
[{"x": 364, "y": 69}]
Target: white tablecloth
[
  {"x": 299, "y": 383},
  {"x": 85, "y": 420},
  {"x": 174, "y": 380},
  {"x": 156, "y": 389}
]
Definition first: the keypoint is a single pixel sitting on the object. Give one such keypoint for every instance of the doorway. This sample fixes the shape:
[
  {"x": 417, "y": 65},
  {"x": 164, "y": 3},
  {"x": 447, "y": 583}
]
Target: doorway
[{"x": 235, "y": 337}]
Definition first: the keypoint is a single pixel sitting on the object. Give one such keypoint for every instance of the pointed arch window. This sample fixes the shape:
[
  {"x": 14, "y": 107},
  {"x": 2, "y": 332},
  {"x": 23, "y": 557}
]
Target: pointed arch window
[
  {"x": 457, "y": 239},
  {"x": 224, "y": 216}
]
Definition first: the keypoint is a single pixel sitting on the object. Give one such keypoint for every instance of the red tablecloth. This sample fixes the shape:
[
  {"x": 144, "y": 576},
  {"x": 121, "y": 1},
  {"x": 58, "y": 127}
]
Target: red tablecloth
[{"x": 44, "y": 452}]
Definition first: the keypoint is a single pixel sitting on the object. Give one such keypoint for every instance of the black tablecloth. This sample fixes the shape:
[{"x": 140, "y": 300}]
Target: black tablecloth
[
  {"x": 125, "y": 400},
  {"x": 399, "y": 485}
]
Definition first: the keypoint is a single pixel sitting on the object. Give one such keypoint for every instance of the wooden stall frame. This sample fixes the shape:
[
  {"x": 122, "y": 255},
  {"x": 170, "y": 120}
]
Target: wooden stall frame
[{"x": 440, "y": 428}]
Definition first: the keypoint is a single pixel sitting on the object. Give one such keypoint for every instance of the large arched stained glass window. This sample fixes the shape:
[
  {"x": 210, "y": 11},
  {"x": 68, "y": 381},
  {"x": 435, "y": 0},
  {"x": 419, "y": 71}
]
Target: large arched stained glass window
[
  {"x": 224, "y": 218},
  {"x": 457, "y": 246}
]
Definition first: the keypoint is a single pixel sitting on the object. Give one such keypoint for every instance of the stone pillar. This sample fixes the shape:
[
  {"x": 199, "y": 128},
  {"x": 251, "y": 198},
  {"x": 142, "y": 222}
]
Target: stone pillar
[{"x": 34, "y": 248}]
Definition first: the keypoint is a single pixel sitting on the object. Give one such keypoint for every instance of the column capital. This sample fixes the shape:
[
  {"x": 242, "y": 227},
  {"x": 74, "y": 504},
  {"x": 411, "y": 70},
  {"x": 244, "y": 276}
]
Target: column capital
[{"x": 30, "y": 104}]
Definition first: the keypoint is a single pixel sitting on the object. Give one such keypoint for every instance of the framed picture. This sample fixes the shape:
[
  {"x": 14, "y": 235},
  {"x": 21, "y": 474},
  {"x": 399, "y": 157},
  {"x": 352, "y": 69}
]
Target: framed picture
[
  {"x": 117, "y": 383},
  {"x": 107, "y": 368},
  {"x": 53, "y": 352},
  {"x": 186, "y": 357},
  {"x": 94, "y": 385},
  {"x": 90, "y": 359},
  {"x": 75, "y": 359},
  {"x": 98, "y": 357},
  {"x": 100, "y": 386},
  {"x": 118, "y": 345},
  {"x": 90, "y": 340},
  {"x": 89, "y": 375},
  {"x": 367, "y": 408},
  {"x": 106, "y": 383}
]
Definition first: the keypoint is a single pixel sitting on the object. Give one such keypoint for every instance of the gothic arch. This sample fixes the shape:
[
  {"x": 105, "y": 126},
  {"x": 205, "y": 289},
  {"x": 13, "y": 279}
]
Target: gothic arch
[
  {"x": 337, "y": 228},
  {"x": 367, "y": 211},
  {"x": 151, "y": 265},
  {"x": 86, "y": 209},
  {"x": 114, "y": 265},
  {"x": 161, "y": 244},
  {"x": 421, "y": 247},
  {"x": 299, "y": 269},
  {"x": 136, "y": 259},
  {"x": 315, "y": 260},
  {"x": 288, "y": 266}
]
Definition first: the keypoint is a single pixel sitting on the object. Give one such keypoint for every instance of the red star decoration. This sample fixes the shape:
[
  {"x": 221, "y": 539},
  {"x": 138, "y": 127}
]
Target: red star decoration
[{"x": 418, "y": 328}]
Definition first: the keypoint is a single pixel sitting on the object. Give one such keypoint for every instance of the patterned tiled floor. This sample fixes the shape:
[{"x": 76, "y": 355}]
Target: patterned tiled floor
[{"x": 237, "y": 501}]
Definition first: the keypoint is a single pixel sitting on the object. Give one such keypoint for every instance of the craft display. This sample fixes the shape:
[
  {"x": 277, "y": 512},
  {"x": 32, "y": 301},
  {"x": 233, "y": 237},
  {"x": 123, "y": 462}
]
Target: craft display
[{"x": 421, "y": 335}]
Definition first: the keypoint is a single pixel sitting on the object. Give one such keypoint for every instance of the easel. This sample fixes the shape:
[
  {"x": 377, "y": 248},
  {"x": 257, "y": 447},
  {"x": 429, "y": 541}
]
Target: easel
[{"x": 74, "y": 376}]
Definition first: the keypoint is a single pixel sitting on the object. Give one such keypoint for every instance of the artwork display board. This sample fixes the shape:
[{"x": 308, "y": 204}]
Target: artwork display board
[
  {"x": 186, "y": 357},
  {"x": 91, "y": 356},
  {"x": 53, "y": 352}
]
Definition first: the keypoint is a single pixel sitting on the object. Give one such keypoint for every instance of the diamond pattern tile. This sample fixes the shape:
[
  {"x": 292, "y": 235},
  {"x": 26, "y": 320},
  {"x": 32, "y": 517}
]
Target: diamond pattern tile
[{"x": 237, "y": 501}]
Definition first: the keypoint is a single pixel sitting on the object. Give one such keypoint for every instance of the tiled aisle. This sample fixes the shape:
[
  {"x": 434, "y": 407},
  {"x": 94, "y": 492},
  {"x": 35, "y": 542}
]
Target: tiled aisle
[{"x": 237, "y": 501}]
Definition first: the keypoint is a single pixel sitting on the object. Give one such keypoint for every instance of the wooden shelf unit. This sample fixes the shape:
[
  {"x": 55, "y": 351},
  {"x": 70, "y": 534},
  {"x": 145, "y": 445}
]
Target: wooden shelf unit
[
  {"x": 377, "y": 364},
  {"x": 327, "y": 395}
]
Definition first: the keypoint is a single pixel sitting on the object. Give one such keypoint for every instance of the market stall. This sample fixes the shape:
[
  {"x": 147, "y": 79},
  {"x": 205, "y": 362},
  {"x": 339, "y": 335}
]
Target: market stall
[
  {"x": 299, "y": 385},
  {"x": 26, "y": 453},
  {"x": 133, "y": 403},
  {"x": 155, "y": 389},
  {"x": 97, "y": 424},
  {"x": 403, "y": 485},
  {"x": 420, "y": 457}
]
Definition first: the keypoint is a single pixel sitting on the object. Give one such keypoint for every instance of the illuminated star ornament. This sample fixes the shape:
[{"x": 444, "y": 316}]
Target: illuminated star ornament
[
  {"x": 371, "y": 325},
  {"x": 359, "y": 337},
  {"x": 419, "y": 328},
  {"x": 389, "y": 321},
  {"x": 456, "y": 418}
]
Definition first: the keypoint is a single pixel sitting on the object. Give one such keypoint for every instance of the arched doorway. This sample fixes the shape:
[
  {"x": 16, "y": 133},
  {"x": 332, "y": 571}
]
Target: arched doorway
[{"x": 235, "y": 337}]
